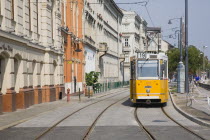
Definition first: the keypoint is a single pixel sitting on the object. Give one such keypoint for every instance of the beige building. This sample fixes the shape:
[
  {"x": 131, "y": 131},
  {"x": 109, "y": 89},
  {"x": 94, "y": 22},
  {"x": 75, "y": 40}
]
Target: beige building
[
  {"x": 102, "y": 39},
  {"x": 133, "y": 37},
  {"x": 31, "y": 53},
  {"x": 165, "y": 46}
]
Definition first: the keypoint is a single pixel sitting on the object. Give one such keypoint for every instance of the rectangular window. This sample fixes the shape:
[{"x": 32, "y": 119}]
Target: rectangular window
[
  {"x": 29, "y": 7},
  {"x": 147, "y": 68},
  {"x": 12, "y": 10},
  {"x": 62, "y": 23},
  {"x": 126, "y": 41},
  {"x": 37, "y": 14}
]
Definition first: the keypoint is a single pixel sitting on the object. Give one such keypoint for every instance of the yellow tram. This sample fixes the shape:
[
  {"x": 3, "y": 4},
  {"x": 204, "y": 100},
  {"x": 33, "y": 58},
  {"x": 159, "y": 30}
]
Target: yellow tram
[{"x": 149, "y": 78}]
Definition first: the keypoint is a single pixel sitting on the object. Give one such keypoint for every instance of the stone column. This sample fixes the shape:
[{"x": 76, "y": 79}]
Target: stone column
[
  {"x": 30, "y": 92},
  {"x": 37, "y": 83},
  {"x": 9, "y": 99},
  {"x": 181, "y": 78},
  {"x": 21, "y": 100}
]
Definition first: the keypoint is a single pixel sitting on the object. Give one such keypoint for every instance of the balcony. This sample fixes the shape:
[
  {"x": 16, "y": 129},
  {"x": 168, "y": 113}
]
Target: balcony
[
  {"x": 126, "y": 64},
  {"x": 126, "y": 48},
  {"x": 103, "y": 47}
]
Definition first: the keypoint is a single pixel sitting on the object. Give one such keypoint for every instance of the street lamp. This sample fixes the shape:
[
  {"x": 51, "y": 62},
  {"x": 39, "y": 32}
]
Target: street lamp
[
  {"x": 204, "y": 73},
  {"x": 179, "y": 36},
  {"x": 186, "y": 48},
  {"x": 204, "y": 47},
  {"x": 180, "y": 67}
]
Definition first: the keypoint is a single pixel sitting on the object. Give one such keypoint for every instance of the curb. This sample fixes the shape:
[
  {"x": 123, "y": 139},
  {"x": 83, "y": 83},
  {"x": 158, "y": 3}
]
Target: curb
[{"x": 190, "y": 117}]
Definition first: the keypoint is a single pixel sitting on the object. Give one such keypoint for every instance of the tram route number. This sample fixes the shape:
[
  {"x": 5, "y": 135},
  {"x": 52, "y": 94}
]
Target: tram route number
[{"x": 141, "y": 55}]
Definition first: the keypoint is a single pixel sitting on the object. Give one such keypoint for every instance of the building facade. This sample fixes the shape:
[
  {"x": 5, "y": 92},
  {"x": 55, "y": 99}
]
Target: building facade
[
  {"x": 72, "y": 31},
  {"x": 153, "y": 40},
  {"x": 102, "y": 39},
  {"x": 31, "y": 53},
  {"x": 165, "y": 46},
  {"x": 133, "y": 38}
]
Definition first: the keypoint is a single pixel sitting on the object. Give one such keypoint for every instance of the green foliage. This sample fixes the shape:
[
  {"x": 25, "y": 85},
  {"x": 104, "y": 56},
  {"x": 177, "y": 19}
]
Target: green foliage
[
  {"x": 195, "y": 59},
  {"x": 173, "y": 60},
  {"x": 92, "y": 79}
]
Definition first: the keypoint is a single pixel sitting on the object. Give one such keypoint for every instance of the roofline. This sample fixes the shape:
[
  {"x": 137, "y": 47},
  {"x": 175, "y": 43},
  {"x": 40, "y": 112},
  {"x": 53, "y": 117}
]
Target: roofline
[{"x": 117, "y": 8}]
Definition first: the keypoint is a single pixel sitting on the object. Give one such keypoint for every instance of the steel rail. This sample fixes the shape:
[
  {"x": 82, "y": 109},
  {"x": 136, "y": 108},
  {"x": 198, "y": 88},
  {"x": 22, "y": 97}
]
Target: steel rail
[
  {"x": 98, "y": 117},
  {"x": 190, "y": 131},
  {"x": 142, "y": 126},
  {"x": 50, "y": 128}
]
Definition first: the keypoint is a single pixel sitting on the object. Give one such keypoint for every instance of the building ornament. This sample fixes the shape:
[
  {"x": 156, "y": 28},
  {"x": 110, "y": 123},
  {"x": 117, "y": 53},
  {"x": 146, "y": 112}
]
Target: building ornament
[{"x": 6, "y": 47}]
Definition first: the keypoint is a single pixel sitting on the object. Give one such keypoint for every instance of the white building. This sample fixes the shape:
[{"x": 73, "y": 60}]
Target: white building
[
  {"x": 31, "y": 54},
  {"x": 133, "y": 37},
  {"x": 102, "y": 28},
  {"x": 153, "y": 40},
  {"x": 165, "y": 46}
]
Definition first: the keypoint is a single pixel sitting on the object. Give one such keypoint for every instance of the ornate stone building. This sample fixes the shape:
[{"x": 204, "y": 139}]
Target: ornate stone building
[
  {"x": 72, "y": 31},
  {"x": 133, "y": 37},
  {"x": 31, "y": 53},
  {"x": 102, "y": 39}
]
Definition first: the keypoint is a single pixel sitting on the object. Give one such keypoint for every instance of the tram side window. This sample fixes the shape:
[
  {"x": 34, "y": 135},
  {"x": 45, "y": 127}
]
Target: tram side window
[
  {"x": 163, "y": 71},
  {"x": 166, "y": 70},
  {"x": 133, "y": 74}
]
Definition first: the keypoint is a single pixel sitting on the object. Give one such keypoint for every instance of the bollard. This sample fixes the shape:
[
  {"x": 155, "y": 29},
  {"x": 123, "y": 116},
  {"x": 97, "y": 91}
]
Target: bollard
[
  {"x": 68, "y": 95},
  {"x": 88, "y": 92},
  {"x": 84, "y": 85},
  {"x": 79, "y": 95}
]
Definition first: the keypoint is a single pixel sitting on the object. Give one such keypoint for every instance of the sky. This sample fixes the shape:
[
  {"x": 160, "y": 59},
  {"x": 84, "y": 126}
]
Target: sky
[{"x": 161, "y": 11}]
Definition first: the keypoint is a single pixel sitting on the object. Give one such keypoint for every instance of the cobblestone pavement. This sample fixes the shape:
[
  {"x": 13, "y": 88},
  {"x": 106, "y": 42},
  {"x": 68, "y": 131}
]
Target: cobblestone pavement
[
  {"x": 118, "y": 122},
  {"x": 161, "y": 127},
  {"x": 36, "y": 126},
  {"x": 194, "y": 105},
  {"x": 195, "y": 127},
  {"x": 22, "y": 115}
]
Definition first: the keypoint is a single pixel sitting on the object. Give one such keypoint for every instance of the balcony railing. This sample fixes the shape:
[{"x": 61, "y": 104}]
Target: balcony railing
[{"x": 126, "y": 48}]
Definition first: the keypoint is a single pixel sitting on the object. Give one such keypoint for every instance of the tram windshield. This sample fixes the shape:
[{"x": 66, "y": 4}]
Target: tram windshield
[{"x": 147, "y": 68}]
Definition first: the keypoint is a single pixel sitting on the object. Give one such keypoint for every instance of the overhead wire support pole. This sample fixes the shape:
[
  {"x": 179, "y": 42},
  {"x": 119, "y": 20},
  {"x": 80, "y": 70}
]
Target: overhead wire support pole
[
  {"x": 180, "y": 45},
  {"x": 186, "y": 48}
]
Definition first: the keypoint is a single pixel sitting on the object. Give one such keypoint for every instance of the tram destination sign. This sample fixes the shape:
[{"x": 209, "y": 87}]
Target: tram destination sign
[{"x": 141, "y": 55}]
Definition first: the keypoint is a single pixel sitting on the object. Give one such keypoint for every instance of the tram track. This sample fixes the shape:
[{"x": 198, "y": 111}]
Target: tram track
[
  {"x": 142, "y": 126},
  {"x": 152, "y": 137},
  {"x": 98, "y": 117},
  {"x": 69, "y": 115},
  {"x": 187, "y": 129}
]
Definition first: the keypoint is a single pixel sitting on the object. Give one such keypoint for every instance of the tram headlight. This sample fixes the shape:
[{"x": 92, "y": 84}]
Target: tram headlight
[{"x": 148, "y": 90}]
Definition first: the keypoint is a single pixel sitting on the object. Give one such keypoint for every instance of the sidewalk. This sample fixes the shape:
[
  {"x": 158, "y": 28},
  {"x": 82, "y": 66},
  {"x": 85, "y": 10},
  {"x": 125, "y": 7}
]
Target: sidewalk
[
  {"x": 13, "y": 118},
  {"x": 194, "y": 105}
]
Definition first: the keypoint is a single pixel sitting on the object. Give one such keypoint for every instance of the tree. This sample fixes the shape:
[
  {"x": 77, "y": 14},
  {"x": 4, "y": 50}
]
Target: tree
[
  {"x": 173, "y": 60},
  {"x": 195, "y": 59},
  {"x": 92, "y": 79}
]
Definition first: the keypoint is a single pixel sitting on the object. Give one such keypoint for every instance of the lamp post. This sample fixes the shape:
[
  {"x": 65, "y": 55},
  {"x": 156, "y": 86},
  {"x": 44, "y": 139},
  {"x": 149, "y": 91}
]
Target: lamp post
[
  {"x": 204, "y": 47},
  {"x": 180, "y": 67},
  {"x": 186, "y": 48},
  {"x": 204, "y": 73}
]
